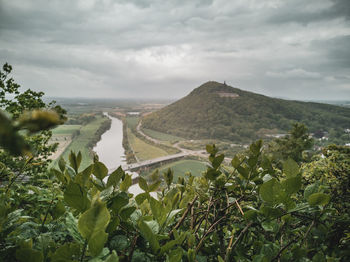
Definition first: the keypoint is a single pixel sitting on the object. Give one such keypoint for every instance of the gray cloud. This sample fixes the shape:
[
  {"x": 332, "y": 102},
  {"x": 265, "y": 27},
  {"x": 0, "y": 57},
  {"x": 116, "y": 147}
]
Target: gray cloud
[{"x": 164, "y": 49}]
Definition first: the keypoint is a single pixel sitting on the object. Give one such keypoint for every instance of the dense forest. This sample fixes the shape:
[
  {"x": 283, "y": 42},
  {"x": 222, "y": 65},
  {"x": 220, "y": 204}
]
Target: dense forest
[
  {"x": 218, "y": 111},
  {"x": 271, "y": 203}
]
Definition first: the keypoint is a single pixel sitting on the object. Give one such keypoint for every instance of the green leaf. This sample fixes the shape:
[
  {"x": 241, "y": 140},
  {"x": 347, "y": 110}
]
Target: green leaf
[
  {"x": 149, "y": 236},
  {"x": 141, "y": 197},
  {"x": 243, "y": 171},
  {"x": 74, "y": 161},
  {"x": 212, "y": 174},
  {"x": 235, "y": 162},
  {"x": 66, "y": 253},
  {"x": 72, "y": 227},
  {"x": 156, "y": 208},
  {"x": 92, "y": 225},
  {"x": 58, "y": 210},
  {"x": 318, "y": 199},
  {"x": 83, "y": 177},
  {"x": 311, "y": 189},
  {"x": 112, "y": 257},
  {"x": 191, "y": 255},
  {"x": 76, "y": 197},
  {"x": 175, "y": 255},
  {"x": 115, "y": 177},
  {"x": 270, "y": 191},
  {"x": 97, "y": 242},
  {"x": 119, "y": 242},
  {"x": 29, "y": 255},
  {"x": 154, "y": 187},
  {"x": 62, "y": 164},
  {"x": 292, "y": 184},
  {"x": 79, "y": 158},
  {"x": 126, "y": 212},
  {"x": 100, "y": 170},
  {"x": 252, "y": 161},
  {"x": 113, "y": 224},
  {"x": 143, "y": 184},
  {"x": 218, "y": 160},
  {"x": 220, "y": 259},
  {"x": 290, "y": 168},
  {"x": 168, "y": 176},
  {"x": 126, "y": 183},
  {"x": 270, "y": 226},
  {"x": 60, "y": 176},
  {"x": 211, "y": 149},
  {"x": 250, "y": 215},
  {"x": 118, "y": 202}
]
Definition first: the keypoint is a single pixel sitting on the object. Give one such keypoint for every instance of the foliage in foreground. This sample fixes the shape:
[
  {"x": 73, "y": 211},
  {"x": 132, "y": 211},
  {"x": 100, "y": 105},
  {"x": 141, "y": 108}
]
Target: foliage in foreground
[{"x": 253, "y": 213}]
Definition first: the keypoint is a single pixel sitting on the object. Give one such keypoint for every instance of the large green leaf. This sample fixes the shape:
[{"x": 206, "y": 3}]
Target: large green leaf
[
  {"x": 29, "y": 255},
  {"x": 153, "y": 187},
  {"x": 97, "y": 242},
  {"x": 149, "y": 235},
  {"x": 156, "y": 208},
  {"x": 126, "y": 183},
  {"x": 269, "y": 191},
  {"x": 235, "y": 162},
  {"x": 76, "y": 197},
  {"x": 92, "y": 225},
  {"x": 290, "y": 168},
  {"x": 66, "y": 253},
  {"x": 100, "y": 170},
  {"x": 117, "y": 202},
  {"x": 292, "y": 185},
  {"x": 114, "y": 178},
  {"x": 218, "y": 160},
  {"x": 83, "y": 177},
  {"x": 143, "y": 184},
  {"x": 175, "y": 255},
  {"x": 141, "y": 197},
  {"x": 58, "y": 210},
  {"x": 317, "y": 199}
]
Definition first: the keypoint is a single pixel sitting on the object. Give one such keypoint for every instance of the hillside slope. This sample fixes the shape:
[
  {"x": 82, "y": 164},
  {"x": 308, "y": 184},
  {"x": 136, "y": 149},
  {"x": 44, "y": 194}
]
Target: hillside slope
[{"x": 218, "y": 111}]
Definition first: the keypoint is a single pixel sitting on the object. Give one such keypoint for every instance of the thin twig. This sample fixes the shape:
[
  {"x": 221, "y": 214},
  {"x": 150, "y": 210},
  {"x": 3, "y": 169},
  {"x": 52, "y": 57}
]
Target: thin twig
[
  {"x": 210, "y": 229},
  {"x": 132, "y": 247},
  {"x": 182, "y": 219},
  {"x": 241, "y": 234},
  {"x": 284, "y": 248}
]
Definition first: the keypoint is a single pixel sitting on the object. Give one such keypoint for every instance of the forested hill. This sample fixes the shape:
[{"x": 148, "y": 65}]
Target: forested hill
[{"x": 219, "y": 111}]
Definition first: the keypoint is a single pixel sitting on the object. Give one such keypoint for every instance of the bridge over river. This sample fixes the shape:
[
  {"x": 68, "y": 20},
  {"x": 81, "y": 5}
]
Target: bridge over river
[{"x": 151, "y": 162}]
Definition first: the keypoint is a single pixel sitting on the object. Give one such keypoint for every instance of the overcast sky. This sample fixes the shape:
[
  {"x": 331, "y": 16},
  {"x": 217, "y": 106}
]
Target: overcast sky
[{"x": 295, "y": 49}]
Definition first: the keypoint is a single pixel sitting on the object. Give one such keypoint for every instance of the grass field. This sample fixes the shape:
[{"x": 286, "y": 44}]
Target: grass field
[
  {"x": 132, "y": 121},
  {"x": 161, "y": 136},
  {"x": 80, "y": 142},
  {"x": 142, "y": 150},
  {"x": 181, "y": 167},
  {"x": 65, "y": 129}
]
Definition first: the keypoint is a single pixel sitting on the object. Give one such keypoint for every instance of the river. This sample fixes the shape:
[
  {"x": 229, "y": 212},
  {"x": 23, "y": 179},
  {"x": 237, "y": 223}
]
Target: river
[{"x": 111, "y": 152}]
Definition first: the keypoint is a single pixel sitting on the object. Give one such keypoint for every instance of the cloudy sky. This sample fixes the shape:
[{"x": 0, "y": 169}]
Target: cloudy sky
[{"x": 295, "y": 49}]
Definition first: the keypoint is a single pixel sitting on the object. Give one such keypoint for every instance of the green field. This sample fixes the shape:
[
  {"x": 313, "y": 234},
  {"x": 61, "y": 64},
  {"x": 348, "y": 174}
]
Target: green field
[
  {"x": 142, "y": 150},
  {"x": 161, "y": 136},
  {"x": 80, "y": 143},
  {"x": 132, "y": 121},
  {"x": 181, "y": 167},
  {"x": 65, "y": 129}
]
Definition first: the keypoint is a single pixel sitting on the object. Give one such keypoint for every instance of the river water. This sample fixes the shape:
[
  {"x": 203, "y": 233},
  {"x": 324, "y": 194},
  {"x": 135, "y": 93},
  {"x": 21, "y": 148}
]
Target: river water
[
  {"x": 111, "y": 152},
  {"x": 110, "y": 148}
]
